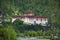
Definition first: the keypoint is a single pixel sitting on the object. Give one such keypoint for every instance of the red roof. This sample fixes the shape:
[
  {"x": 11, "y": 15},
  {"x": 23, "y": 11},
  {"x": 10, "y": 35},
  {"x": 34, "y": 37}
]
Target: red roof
[{"x": 28, "y": 16}]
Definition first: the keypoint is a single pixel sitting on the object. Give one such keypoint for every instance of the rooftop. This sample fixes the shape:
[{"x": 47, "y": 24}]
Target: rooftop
[{"x": 28, "y": 15}]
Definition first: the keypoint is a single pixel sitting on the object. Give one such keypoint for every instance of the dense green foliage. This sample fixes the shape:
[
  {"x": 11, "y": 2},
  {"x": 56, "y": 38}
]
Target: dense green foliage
[
  {"x": 33, "y": 30},
  {"x": 48, "y": 8},
  {"x": 7, "y": 33}
]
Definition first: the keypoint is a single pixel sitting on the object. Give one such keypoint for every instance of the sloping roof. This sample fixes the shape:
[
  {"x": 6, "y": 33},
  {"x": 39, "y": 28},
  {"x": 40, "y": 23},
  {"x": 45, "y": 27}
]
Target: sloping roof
[{"x": 28, "y": 16}]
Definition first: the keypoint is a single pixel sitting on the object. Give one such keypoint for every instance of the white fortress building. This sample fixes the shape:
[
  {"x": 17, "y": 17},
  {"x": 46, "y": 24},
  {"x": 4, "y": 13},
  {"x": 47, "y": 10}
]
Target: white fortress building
[{"x": 30, "y": 18}]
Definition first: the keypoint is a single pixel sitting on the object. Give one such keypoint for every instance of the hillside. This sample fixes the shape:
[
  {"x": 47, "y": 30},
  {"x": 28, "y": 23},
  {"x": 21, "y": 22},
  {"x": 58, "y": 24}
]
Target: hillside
[{"x": 46, "y": 8}]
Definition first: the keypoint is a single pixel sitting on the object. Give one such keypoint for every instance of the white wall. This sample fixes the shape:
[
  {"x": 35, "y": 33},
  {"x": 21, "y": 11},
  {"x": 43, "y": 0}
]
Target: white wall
[
  {"x": 13, "y": 19},
  {"x": 31, "y": 21}
]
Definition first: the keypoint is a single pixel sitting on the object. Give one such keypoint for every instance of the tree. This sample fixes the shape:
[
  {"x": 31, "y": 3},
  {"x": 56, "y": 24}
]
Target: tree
[
  {"x": 7, "y": 33},
  {"x": 17, "y": 22}
]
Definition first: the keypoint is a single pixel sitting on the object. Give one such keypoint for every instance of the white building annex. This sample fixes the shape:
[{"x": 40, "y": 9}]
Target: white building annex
[{"x": 30, "y": 18}]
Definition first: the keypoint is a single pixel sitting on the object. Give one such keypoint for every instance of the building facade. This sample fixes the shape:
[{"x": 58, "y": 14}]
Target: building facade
[{"x": 30, "y": 18}]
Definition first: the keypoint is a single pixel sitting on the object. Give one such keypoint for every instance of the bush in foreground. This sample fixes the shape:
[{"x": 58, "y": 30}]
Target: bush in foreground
[{"x": 7, "y": 33}]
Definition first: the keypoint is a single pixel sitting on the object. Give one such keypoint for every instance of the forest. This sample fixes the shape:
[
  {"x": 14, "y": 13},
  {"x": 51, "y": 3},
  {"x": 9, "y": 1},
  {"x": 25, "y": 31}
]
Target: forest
[{"x": 48, "y": 8}]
